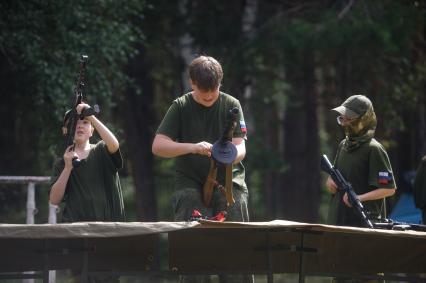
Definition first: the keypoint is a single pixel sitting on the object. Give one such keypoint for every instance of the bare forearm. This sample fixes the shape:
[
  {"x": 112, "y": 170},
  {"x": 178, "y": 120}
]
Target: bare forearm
[
  {"x": 241, "y": 149},
  {"x": 107, "y": 136},
  {"x": 165, "y": 147},
  {"x": 174, "y": 150},
  {"x": 377, "y": 194},
  {"x": 241, "y": 153},
  {"x": 58, "y": 189}
]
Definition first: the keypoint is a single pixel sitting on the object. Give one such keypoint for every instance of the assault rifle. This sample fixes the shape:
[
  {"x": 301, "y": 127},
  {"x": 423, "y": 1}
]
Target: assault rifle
[
  {"x": 224, "y": 153},
  {"x": 389, "y": 224},
  {"x": 343, "y": 185},
  {"x": 71, "y": 116}
]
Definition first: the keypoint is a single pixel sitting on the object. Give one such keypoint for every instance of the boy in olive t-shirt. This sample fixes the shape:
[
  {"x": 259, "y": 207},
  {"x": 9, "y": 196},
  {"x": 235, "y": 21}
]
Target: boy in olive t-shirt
[
  {"x": 363, "y": 162},
  {"x": 192, "y": 124}
]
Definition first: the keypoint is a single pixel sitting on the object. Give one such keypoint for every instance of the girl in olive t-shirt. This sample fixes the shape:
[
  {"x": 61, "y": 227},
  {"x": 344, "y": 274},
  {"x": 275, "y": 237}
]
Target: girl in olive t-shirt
[{"x": 90, "y": 191}]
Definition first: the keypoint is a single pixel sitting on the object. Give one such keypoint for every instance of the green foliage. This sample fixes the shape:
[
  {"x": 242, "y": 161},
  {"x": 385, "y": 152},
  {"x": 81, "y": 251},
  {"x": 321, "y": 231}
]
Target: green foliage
[
  {"x": 40, "y": 45},
  {"x": 42, "y": 41},
  {"x": 164, "y": 184},
  {"x": 374, "y": 47}
]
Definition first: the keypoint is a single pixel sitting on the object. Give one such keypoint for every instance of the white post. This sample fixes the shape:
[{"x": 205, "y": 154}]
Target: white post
[
  {"x": 52, "y": 276},
  {"x": 31, "y": 206},
  {"x": 31, "y": 211},
  {"x": 53, "y": 210}
]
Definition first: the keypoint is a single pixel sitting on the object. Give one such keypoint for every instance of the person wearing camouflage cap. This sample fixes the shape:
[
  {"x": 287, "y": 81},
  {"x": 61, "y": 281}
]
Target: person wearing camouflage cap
[{"x": 363, "y": 162}]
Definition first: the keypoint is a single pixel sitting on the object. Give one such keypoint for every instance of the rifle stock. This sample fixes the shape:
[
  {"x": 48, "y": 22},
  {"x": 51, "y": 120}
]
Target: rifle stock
[{"x": 228, "y": 186}]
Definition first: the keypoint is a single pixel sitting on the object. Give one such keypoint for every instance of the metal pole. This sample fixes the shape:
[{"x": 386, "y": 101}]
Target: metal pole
[
  {"x": 31, "y": 206},
  {"x": 270, "y": 275},
  {"x": 84, "y": 273},
  {"x": 301, "y": 262},
  {"x": 31, "y": 210},
  {"x": 53, "y": 210}
]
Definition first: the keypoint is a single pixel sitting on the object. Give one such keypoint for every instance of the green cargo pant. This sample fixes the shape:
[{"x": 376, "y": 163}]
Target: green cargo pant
[{"x": 187, "y": 200}]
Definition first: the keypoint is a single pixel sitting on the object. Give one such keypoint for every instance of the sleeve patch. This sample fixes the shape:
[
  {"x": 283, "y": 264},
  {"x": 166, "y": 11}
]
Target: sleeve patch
[
  {"x": 384, "y": 178},
  {"x": 243, "y": 127}
]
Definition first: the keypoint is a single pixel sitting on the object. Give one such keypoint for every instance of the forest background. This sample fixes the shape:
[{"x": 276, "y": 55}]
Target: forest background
[{"x": 288, "y": 62}]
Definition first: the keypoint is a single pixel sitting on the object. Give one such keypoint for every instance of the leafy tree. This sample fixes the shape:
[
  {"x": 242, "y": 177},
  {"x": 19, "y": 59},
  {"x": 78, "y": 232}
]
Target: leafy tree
[
  {"x": 40, "y": 45},
  {"x": 287, "y": 62}
]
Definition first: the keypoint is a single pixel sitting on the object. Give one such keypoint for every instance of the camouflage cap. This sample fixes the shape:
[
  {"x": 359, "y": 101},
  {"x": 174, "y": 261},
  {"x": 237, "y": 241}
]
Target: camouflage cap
[{"x": 354, "y": 107}]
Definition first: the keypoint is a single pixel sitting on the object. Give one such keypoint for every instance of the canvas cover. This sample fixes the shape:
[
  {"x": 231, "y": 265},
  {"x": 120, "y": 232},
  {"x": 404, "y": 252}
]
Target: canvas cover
[
  {"x": 213, "y": 247},
  {"x": 292, "y": 247},
  {"x": 89, "y": 229}
]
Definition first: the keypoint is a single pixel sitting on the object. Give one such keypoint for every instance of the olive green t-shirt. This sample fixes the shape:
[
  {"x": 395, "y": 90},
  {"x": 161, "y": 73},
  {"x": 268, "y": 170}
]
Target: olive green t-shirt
[
  {"x": 187, "y": 121},
  {"x": 93, "y": 191},
  {"x": 366, "y": 168},
  {"x": 419, "y": 186}
]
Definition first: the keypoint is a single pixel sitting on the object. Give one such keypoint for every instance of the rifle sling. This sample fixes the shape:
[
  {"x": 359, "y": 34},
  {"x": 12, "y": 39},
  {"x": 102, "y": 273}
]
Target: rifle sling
[
  {"x": 211, "y": 182},
  {"x": 228, "y": 185}
]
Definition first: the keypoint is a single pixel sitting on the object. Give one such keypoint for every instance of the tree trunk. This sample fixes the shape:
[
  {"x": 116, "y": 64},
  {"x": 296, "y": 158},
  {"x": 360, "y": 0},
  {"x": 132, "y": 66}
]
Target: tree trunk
[
  {"x": 138, "y": 127},
  {"x": 301, "y": 182},
  {"x": 422, "y": 123},
  {"x": 272, "y": 176}
]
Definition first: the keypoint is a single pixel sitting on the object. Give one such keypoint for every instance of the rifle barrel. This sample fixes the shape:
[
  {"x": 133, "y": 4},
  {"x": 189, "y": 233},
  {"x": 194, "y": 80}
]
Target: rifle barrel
[{"x": 78, "y": 98}]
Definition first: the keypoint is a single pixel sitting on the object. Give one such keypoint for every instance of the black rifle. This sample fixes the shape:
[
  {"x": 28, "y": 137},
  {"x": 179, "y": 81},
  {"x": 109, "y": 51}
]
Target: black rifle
[
  {"x": 343, "y": 185},
  {"x": 71, "y": 117},
  {"x": 224, "y": 153},
  {"x": 389, "y": 224}
]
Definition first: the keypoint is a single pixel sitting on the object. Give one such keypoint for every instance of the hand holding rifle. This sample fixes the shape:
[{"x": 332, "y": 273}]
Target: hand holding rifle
[{"x": 350, "y": 198}]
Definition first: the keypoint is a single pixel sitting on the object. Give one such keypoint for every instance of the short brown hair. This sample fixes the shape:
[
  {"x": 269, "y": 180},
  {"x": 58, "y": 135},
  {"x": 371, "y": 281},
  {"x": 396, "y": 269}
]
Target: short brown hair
[{"x": 206, "y": 73}]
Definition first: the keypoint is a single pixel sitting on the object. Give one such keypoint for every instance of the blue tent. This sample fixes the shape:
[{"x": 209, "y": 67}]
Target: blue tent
[{"x": 405, "y": 210}]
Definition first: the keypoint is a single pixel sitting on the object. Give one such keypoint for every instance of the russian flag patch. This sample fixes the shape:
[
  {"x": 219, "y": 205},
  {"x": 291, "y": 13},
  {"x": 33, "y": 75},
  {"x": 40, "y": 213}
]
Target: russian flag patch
[
  {"x": 384, "y": 178},
  {"x": 243, "y": 127}
]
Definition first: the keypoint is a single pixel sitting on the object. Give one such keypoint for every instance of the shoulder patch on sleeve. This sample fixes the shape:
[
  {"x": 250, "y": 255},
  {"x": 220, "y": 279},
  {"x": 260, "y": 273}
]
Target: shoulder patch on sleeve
[
  {"x": 243, "y": 127},
  {"x": 384, "y": 177}
]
